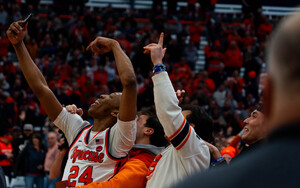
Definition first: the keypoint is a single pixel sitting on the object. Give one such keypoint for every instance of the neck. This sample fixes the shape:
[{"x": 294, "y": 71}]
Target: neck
[
  {"x": 102, "y": 124},
  {"x": 144, "y": 140}
]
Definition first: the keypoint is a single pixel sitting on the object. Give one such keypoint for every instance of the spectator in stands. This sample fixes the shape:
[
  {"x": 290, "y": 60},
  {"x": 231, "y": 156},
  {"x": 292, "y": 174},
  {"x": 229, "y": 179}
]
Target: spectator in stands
[
  {"x": 236, "y": 84},
  {"x": 27, "y": 133},
  {"x": 30, "y": 162},
  {"x": 214, "y": 57},
  {"x": 233, "y": 58},
  {"x": 265, "y": 29},
  {"x": 181, "y": 70},
  {"x": 3, "y": 15},
  {"x": 220, "y": 95},
  {"x": 6, "y": 154},
  {"x": 191, "y": 55},
  {"x": 4, "y": 44},
  {"x": 6, "y": 113},
  {"x": 195, "y": 31},
  {"x": 51, "y": 155},
  {"x": 234, "y": 36}
]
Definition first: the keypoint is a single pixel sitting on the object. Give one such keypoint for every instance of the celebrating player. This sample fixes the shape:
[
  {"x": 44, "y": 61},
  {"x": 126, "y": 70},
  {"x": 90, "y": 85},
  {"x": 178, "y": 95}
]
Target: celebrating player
[
  {"x": 188, "y": 152},
  {"x": 95, "y": 150}
]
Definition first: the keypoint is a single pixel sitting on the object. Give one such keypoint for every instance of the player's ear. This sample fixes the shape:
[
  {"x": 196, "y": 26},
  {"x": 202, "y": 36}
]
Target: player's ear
[
  {"x": 148, "y": 131},
  {"x": 114, "y": 113}
]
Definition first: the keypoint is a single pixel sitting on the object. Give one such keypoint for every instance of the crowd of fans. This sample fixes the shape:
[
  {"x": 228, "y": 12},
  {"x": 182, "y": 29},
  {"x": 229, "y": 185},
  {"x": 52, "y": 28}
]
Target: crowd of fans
[{"x": 58, "y": 46}]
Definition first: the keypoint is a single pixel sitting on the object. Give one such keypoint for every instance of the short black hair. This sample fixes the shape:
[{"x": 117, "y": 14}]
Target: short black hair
[
  {"x": 158, "y": 136},
  {"x": 203, "y": 123}
]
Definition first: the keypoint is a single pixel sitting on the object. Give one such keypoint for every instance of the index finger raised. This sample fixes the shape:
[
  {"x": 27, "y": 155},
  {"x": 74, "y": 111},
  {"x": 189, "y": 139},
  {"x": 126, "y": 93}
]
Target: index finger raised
[{"x": 161, "y": 39}]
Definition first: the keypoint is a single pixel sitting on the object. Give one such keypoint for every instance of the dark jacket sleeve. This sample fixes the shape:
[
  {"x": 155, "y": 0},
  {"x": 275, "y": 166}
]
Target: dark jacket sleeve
[{"x": 21, "y": 163}]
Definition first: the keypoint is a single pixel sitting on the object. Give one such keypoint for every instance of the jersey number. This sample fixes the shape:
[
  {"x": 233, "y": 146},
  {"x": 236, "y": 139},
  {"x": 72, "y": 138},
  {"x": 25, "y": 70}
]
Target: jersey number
[{"x": 85, "y": 177}]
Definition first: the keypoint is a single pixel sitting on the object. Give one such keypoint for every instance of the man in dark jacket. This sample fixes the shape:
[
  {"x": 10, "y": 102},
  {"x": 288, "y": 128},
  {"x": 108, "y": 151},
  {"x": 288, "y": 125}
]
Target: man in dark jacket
[{"x": 275, "y": 164}]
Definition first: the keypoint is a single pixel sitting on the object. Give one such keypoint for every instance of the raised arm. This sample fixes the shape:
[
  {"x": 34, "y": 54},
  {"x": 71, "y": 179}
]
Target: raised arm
[
  {"x": 34, "y": 77},
  {"x": 127, "y": 110},
  {"x": 167, "y": 109}
]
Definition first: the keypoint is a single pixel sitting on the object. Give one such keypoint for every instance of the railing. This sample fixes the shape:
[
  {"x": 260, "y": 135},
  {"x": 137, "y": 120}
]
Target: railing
[{"x": 219, "y": 8}]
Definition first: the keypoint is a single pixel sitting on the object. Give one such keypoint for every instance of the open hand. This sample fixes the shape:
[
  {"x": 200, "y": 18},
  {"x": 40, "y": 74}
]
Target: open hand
[{"x": 16, "y": 33}]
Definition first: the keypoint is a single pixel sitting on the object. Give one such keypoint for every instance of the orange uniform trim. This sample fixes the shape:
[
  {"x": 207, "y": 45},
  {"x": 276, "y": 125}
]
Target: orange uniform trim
[
  {"x": 185, "y": 140},
  {"x": 180, "y": 128}
]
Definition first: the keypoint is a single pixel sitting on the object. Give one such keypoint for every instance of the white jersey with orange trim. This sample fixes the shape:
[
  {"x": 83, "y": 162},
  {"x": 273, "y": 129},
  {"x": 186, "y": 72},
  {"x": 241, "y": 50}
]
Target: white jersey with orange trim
[
  {"x": 94, "y": 156},
  {"x": 188, "y": 153}
]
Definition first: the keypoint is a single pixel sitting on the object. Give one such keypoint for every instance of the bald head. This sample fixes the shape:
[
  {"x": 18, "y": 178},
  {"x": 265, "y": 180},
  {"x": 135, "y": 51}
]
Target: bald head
[{"x": 284, "y": 54}]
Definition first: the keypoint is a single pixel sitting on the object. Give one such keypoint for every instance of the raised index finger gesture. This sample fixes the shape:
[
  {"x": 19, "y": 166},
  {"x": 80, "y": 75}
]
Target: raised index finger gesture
[{"x": 161, "y": 39}]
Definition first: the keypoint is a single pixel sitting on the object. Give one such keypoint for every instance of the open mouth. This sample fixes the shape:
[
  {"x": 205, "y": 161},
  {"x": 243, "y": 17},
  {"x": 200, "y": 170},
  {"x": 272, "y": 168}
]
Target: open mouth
[
  {"x": 245, "y": 130},
  {"x": 96, "y": 103}
]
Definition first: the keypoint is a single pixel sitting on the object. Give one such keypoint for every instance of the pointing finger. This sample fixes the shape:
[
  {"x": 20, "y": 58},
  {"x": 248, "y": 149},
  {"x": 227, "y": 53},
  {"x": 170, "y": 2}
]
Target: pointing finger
[{"x": 161, "y": 39}]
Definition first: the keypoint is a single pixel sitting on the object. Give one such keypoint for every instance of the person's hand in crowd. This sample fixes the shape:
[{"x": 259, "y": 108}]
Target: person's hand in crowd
[
  {"x": 9, "y": 155},
  {"x": 74, "y": 110},
  {"x": 180, "y": 94},
  {"x": 213, "y": 150},
  {"x": 16, "y": 33},
  {"x": 102, "y": 45},
  {"x": 157, "y": 51}
]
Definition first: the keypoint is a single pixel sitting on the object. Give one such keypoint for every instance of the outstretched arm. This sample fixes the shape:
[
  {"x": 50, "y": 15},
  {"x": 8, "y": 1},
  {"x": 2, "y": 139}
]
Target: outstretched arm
[
  {"x": 180, "y": 133},
  {"x": 127, "y": 110},
  {"x": 34, "y": 77}
]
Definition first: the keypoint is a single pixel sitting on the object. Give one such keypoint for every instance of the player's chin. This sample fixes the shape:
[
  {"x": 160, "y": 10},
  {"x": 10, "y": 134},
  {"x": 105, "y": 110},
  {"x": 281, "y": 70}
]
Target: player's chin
[{"x": 91, "y": 111}]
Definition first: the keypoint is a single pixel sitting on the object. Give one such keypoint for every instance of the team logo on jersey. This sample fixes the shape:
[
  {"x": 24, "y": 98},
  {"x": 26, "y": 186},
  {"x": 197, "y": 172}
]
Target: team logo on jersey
[
  {"x": 87, "y": 155},
  {"x": 99, "y": 148}
]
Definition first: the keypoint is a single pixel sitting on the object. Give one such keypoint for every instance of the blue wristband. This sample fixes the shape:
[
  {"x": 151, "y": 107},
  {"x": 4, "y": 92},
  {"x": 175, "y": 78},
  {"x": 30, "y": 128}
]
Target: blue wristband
[
  {"x": 218, "y": 160},
  {"x": 159, "y": 67}
]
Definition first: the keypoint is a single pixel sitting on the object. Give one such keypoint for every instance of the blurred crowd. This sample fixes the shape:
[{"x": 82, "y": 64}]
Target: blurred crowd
[{"x": 227, "y": 88}]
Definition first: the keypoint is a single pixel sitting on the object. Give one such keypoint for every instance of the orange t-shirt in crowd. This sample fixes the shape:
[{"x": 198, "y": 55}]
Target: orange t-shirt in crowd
[
  {"x": 233, "y": 58},
  {"x": 4, "y": 149}
]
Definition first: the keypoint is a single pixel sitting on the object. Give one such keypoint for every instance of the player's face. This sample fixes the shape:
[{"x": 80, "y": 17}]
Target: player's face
[
  {"x": 254, "y": 129},
  {"x": 105, "y": 104},
  {"x": 141, "y": 121}
]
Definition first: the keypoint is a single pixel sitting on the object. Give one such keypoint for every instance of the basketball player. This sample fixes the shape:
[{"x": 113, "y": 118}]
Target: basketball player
[{"x": 95, "y": 150}]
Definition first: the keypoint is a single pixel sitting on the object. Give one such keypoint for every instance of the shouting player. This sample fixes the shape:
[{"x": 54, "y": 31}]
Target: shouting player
[{"x": 95, "y": 150}]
